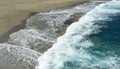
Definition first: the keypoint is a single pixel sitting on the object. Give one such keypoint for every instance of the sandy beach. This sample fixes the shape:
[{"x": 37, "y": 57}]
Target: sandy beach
[{"x": 12, "y": 12}]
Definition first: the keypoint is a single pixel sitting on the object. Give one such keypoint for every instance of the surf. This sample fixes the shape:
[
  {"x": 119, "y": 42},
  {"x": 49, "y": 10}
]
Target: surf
[{"x": 91, "y": 43}]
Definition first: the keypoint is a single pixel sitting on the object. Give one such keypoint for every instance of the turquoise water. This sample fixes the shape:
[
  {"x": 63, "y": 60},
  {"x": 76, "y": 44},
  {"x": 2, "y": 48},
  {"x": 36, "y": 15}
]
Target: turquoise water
[{"x": 91, "y": 43}]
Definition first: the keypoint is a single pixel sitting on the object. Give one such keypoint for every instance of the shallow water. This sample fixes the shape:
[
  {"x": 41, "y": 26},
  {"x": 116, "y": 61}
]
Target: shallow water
[
  {"x": 12, "y": 12},
  {"x": 42, "y": 29}
]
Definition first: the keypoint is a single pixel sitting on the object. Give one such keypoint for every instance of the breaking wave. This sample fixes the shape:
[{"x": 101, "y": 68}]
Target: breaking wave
[{"x": 91, "y": 43}]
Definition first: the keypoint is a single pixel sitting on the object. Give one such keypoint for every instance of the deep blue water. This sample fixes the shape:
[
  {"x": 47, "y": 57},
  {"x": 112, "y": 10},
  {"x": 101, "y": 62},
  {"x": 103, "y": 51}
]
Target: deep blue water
[{"x": 91, "y": 43}]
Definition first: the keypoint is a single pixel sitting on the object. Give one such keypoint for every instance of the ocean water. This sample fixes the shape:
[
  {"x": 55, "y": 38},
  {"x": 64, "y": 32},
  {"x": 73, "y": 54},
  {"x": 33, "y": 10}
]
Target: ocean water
[{"x": 91, "y": 43}]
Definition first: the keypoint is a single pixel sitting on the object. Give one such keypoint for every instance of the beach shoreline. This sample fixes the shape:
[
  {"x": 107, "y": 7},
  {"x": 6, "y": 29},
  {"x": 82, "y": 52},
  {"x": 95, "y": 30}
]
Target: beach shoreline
[{"x": 13, "y": 23}]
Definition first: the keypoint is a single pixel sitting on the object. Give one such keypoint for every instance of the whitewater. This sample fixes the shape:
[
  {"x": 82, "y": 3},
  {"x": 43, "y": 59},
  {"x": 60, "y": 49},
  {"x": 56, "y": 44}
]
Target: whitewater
[{"x": 91, "y": 43}]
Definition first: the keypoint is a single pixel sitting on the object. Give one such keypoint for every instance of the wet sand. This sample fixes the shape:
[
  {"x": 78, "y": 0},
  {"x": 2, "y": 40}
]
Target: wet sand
[{"x": 12, "y": 12}]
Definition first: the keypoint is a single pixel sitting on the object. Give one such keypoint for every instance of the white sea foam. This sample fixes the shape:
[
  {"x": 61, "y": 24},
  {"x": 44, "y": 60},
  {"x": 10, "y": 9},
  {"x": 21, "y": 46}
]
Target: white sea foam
[
  {"x": 75, "y": 49},
  {"x": 42, "y": 29}
]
